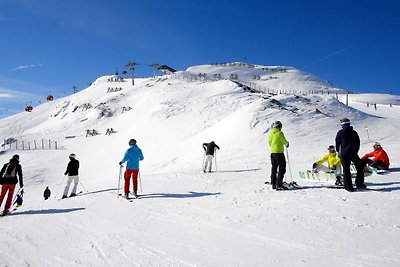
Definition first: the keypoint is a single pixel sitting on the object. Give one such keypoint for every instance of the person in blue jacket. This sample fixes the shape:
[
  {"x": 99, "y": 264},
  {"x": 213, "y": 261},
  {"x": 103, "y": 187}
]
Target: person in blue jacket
[
  {"x": 132, "y": 156},
  {"x": 347, "y": 146}
]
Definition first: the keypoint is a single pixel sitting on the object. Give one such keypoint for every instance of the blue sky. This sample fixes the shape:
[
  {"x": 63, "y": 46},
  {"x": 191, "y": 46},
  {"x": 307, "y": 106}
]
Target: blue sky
[{"x": 49, "y": 46}]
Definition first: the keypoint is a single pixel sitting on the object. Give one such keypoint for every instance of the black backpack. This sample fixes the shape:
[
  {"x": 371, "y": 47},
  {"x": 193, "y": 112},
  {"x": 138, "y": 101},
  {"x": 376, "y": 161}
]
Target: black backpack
[{"x": 11, "y": 170}]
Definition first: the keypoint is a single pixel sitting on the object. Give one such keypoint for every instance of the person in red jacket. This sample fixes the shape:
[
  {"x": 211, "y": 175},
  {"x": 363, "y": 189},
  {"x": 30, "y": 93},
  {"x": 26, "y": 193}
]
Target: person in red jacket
[{"x": 380, "y": 159}]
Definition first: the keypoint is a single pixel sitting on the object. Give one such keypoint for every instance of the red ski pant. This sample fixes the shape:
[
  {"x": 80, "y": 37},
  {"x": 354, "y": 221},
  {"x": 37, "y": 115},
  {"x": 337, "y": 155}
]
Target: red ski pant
[
  {"x": 10, "y": 188},
  {"x": 128, "y": 175}
]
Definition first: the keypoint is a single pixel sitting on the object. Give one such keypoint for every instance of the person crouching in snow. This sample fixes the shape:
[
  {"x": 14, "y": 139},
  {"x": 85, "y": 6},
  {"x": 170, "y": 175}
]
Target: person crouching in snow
[
  {"x": 209, "y": 149},
  {"x": 72, "y": 171},
  {"x": 334, "y": 165},
  {"x": 380, "y": 159},
  {"x": 132, "y": 156},
  {"x": 8, "y": 180}
]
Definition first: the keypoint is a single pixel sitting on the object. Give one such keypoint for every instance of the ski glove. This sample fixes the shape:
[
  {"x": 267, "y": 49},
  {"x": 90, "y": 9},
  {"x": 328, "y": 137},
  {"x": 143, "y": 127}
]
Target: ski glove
[
  {"x": 314, "y": 165},
  {"x": 120, "y": 163},
  {"x": 333, "y": 168},
  {"x": 287, "y": 146}
]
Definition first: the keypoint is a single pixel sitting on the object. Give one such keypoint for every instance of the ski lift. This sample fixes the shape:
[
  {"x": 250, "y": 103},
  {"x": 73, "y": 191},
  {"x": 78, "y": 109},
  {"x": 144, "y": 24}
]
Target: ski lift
[
  {"x": 28, "y": 108},
  {"x": 50, "y": 98}
]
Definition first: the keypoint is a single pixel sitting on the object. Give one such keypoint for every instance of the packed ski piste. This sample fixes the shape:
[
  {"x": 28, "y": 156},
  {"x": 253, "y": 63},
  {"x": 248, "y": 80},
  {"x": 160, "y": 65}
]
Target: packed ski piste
[{"x": 177, "y": 170}]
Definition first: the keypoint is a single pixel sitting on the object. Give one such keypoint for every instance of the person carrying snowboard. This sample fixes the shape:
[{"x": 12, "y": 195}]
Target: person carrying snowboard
[
  {"x": 8, "y": 180},
  {"x": 132, "y": 156},
  {"x": 380, "y": 159},
  {"x": 209, "y": 150},
  {"x": 334, "y": 165},
  {"x": 277, "y": 142},
  {"x": 347, "y": 145},
  {"x": 73, "y": 175}
]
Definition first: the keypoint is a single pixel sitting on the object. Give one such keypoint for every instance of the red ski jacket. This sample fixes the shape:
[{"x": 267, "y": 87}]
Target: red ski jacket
[{"x": 378, "y": 154}]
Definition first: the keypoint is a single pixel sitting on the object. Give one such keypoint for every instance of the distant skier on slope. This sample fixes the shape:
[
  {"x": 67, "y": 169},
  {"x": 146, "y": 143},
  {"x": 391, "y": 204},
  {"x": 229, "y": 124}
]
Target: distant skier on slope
[
  {"x": 46, "y": 193},
  {"x": 132, "y": 155},
  {"x": 73, "y": 175},
  {"x": 8, "y": 180},
  {"x": 380, "y": 159},
  {"x": 334, "y": 165},
  {"x": 209, "y": 150},
  {"x": 277, "y": 142},
  {"x": 347, "y": 146}
]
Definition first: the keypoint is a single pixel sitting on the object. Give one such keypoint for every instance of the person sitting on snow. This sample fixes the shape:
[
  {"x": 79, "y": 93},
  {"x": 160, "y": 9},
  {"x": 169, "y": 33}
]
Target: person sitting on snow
[
  {"x": 334, "y": 165},
  {"x": 379, "y": 161}
]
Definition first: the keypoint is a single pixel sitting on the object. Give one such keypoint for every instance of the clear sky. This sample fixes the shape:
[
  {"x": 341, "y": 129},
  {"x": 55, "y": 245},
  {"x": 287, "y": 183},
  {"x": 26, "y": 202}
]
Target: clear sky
[{"x": 49, "y": 46}]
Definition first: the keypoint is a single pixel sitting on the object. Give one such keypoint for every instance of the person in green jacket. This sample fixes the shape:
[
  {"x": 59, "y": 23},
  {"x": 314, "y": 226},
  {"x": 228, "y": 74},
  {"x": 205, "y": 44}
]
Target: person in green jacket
[{"x": 277, "y": 142}]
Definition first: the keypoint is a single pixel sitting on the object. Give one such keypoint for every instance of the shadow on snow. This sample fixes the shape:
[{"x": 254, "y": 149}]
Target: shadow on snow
[
  {"x": 48, "y": 211},
  {"x": 190, "y": 194}
]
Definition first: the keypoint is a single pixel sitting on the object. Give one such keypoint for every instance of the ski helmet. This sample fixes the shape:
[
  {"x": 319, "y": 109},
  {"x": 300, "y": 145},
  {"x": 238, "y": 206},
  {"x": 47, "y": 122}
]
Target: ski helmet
[
  {"x": 132, "y": 142},
  {"x": 277, "y": 124},
  {"x": 344, "y": 121},
  {"x": 72, "y": 156},
  {"x": 16, "y": 156},
  {"x": 331, "y": 147},
  {"x": 376, "y": 144}
]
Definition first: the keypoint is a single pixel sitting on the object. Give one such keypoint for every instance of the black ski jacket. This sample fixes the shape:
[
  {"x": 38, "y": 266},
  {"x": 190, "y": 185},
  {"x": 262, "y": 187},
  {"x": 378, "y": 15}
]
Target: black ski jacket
[
  {"x": 72, "y": 168},
  {"x": 13, "y": 179},
  {"x": 347, "y": 142},
  {"x": 210, "y": 148}
]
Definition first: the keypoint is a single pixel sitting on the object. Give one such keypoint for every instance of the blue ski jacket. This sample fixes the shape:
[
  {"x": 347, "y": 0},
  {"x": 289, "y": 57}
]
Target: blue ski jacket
[{"x": 132, "y": 155}]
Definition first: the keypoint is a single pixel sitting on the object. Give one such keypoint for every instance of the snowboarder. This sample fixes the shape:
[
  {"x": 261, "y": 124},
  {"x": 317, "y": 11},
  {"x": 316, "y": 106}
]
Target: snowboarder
[
  {"x": 46, "y": 193},
  {"x": 209, "y": 150},
  {"x": 347, "y": 146},
  {"x": 277, "y": 142},
  {"x": 132, "y": 155},
  {"x": 73, "y": 175},
  {"x": 380, "y": 159},
  {"x": 8, "y": 180},
  {"x": 334, "y": 165}
]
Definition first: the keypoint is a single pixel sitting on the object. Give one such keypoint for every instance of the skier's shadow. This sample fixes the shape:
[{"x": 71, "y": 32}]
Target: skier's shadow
[
  {"x": 47, "y": 211},
  {"x": 190, "y": 194},
  {"x": 243, "y": 170}
]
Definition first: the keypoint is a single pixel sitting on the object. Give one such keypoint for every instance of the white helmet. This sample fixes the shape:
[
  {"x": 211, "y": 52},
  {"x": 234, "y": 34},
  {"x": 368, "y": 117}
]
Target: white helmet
[{"x": 72, "y": 155}]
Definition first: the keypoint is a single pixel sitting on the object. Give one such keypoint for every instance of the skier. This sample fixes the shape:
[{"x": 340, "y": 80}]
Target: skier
[
  {"x": 46, "y": 193},
  {"x": 277, "y": 142},
  {"x": 132, "y": 155},
  {"x": 209, "y": 149},
  {"x": 334, "y": 165},
  {"x": 73, "y": 175},
  {"x": 380, "y": 159},
  {"x": 8, "y": 180},
  {"x": 347, "y": 146}
]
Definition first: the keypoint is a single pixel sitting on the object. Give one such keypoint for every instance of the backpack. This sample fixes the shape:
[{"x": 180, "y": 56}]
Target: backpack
[{"x": 10, "y": 171}]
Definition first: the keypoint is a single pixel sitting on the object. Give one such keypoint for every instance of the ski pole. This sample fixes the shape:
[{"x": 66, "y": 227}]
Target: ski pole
[
  {"x": 15, "y": 197},
  {"x": 140, "y": 182},
  {"x": 83, "y": 186},
  {"x": 119, "y": 179},
  {"x": 59, "y": 187},
  {"x": 215, "y": 159},
  {"x": 288, "y": 161}
]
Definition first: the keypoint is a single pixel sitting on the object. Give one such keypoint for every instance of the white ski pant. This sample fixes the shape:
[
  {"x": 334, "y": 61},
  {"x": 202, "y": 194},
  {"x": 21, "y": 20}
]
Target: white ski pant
[
  {"x": 323, "y": 168},
  {"x": 208, "y": 163},
  {"x": 75, "y": 178}
]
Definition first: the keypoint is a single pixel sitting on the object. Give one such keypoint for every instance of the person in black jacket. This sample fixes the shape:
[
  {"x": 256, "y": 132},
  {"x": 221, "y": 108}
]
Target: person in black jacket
[
  {"x": 347, "y": 146},
  {"x": 8, "y": 180},
  {"x": 72, "y": 171},
  {"x": 209, "y": 149}
]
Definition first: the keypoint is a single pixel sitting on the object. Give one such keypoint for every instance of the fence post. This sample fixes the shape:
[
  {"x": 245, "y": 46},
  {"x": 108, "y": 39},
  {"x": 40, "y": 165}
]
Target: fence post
[
  {"x": 29, "y": 145},
  {"x": 42, "y": 144},
  {"x": 55, "y": 143},
  {"x": 23, "y": 146},
  {"x": 49, "y": 144},
  {"x": 35, "y": 144}
]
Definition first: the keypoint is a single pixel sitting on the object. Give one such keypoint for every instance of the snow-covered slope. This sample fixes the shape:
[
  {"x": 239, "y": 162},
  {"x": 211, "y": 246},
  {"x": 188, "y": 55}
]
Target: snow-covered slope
[{"x": 186, "y": 217}]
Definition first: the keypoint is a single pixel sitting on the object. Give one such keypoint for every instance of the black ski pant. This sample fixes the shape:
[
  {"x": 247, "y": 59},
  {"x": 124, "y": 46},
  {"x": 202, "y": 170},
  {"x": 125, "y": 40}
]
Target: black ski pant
[
  {"x": 346, "y": 161},
  {"x": 278, "y": 169},
  {"x": 377, "y": 164}
]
